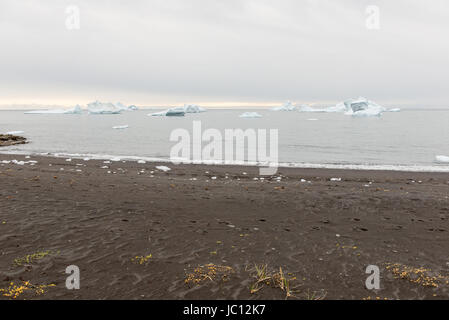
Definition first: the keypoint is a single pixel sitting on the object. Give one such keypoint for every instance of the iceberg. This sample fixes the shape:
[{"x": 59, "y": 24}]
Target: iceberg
[
  {"x": 98, "y": 107},
  {"x": 121, "y": 127},
  {"x": 285, "y": 107},
  {"x": 363, "y": 107},
  {"x": 360, "y": 107},
  {"x": 192, "y": 108},
  {"x": 250, "y": 115},
  {"x": 174, "y": 112},
  {"x": 179, "y": 111},
  {"x": 337, "y": 108},
  {"x": 75, "y": 110},
  {"x": 444, "y": 159},
  {"x": 122, "y": 107}
]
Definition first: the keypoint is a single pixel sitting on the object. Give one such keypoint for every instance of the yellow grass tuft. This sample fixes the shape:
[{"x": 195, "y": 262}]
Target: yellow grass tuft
[
  {"x": 15, "y": 290},
  {"x": 141, "y": 259},
  {"x": 31, "y": 258},
  {"x": 209, "y": 272}
]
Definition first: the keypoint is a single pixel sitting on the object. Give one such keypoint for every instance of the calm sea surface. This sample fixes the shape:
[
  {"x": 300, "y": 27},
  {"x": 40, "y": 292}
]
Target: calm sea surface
[{"x": 410, "y": 138}]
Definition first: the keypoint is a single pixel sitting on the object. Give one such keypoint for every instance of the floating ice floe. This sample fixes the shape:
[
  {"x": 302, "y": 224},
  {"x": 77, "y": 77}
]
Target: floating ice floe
[
  {"x": 250, "y": 115},
  {"x": 15, "y": 132},
  {"x": 393, "y": 110},
  {"x": 285, "y": 107},
  {"x": 335, "y": 179},
  {"x": 121, "y": 127},
  {"x": 98, "y": 107},
  {"x": 163, "y": 168},
  {"x": 444, "y": 159},
  {"x": 75, "y": 110}
]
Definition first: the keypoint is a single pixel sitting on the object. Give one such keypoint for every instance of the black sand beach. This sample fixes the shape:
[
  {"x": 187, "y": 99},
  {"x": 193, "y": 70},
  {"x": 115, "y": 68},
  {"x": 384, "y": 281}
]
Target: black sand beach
[{"x": 197, "y": 232}]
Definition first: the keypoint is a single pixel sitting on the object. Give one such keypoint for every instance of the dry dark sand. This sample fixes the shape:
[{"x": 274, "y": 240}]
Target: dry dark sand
[{"x": 324, "y": 233}]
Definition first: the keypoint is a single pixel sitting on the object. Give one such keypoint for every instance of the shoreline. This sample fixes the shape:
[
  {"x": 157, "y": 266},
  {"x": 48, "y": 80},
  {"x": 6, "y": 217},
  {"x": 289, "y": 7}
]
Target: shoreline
[
  {"x": 138, "y": 232},
  {"x": 439, "y": 168}
]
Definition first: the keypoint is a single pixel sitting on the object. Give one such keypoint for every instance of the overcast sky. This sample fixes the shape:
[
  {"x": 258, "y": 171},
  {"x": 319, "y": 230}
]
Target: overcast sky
[{"x": 162, "y": 52}]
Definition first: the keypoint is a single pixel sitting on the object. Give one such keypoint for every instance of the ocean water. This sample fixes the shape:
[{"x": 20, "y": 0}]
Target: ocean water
[{"x": 408, "y": 140}]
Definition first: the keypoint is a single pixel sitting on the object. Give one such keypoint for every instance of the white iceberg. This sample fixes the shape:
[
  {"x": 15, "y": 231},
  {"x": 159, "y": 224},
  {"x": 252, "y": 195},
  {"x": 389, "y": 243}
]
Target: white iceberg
[
  {"x": 122, "y": 107},
  {"x": 444, "y": 159},
  {"x": 360, "y": 107},
  {"x": 192, "y": 108},
  {"x": 15, "y": 132},
  {"x": 173, "y": 112},
  {"x": 98, "y": 107},
  {"x": 363, "y": 107},
  {"x": 179, "y": 111},
  {"x": 306, "y": 108},
  {"x": 285, "y": 107},
  {"x": 121, "y": 127},
  {"x": 250, "y": 115},
  {"x": 75, "y": 110}
]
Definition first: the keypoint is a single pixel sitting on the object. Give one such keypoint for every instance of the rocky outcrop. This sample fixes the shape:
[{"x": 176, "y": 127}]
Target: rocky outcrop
[{"x": 9, "y": 140}]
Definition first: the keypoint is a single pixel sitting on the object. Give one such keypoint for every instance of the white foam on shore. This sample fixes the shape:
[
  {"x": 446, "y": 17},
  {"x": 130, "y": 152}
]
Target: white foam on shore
[{"x": 303, "y": 165}]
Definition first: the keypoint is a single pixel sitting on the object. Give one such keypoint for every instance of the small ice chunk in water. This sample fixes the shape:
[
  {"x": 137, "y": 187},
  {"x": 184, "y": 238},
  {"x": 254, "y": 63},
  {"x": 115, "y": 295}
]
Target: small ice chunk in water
[
  {"x": 250, "y": 115},
  {"x": 121, "y": 127},
  {"x": 335, "y": 179},
  {"x": 141, "y": 161},
  {"x": 163, "y": 168},
  {"x": 444, "y": 159}
]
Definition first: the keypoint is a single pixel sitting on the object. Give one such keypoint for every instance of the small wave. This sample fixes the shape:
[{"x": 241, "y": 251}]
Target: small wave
[{"x": 303, "y": 165}]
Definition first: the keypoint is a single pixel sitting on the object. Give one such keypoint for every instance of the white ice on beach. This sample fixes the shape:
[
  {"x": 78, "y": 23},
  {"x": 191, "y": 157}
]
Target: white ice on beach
[
  {"x": 285, "y": 107},
  {"x": 444, "y": 159},
  {"x": 98, "y": 107},
  {"x": 75, "y": 110},
  {"x": 121, "y": 127},
  {"x": 163, "y": 168},
  {"x": 250, "y": 115}
]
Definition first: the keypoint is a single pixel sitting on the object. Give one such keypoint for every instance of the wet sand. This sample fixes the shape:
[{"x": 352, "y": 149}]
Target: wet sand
[{"x": 138, "y": 232}]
